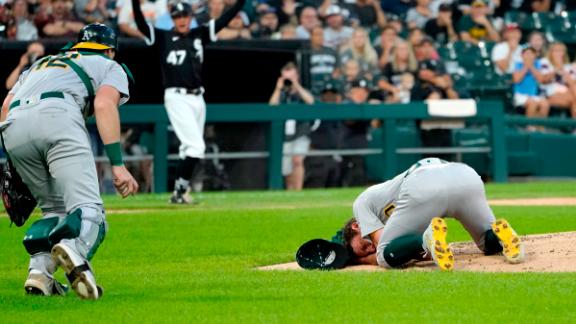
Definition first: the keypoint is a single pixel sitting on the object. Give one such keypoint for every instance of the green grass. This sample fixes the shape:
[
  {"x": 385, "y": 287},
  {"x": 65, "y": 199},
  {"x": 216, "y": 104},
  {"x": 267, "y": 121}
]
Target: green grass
[{"x": 196, "y": 264}]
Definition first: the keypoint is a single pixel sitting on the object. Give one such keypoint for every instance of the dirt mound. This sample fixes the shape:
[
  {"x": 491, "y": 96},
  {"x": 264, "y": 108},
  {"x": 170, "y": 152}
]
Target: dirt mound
[
  {"x": 555, "y": 252},
  {"x": 548, "y": 201}
]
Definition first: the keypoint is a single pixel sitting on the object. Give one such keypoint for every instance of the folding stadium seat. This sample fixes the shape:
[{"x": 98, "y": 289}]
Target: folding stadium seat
[
  {"x": 486, "y": 49},
  {"x": 447, "y": 53},
  {"x": 564, "y": 36},
  {"x": 543, "y": 19},
  {"x": 563, "y": 22},
  {"x": 374, "y": 34},
  {"x": 524, "y": 20},
  {"x": 484, "y": 83},
  {"x": 561, "y": 29},
  {"x": 465, "y": 53}
]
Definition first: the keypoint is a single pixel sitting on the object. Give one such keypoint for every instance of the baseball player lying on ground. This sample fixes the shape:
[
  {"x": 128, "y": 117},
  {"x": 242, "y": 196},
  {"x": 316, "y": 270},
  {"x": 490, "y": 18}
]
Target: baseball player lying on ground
[{"x": 402, "y": 219}]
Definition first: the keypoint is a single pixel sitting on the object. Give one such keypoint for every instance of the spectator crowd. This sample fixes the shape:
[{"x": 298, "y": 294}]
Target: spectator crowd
[
  {"x": 405, "y": 50},
  {"x": 363, "y": 51}
]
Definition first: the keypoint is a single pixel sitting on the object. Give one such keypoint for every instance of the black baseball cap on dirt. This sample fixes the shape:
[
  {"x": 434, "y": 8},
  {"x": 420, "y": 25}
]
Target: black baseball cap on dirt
[{"x": 319, "y": 254}]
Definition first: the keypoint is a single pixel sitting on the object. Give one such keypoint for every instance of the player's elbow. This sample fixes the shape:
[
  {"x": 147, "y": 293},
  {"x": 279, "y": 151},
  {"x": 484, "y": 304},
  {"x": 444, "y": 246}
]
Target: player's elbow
[
  {"x": 102, "y": 105},
  {"x": 106, "y": 98}
]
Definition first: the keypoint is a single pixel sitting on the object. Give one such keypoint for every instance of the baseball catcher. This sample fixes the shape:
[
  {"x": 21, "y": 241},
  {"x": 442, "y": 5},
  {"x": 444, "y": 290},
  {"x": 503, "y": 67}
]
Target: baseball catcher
[{"x": 42, "y": 124}]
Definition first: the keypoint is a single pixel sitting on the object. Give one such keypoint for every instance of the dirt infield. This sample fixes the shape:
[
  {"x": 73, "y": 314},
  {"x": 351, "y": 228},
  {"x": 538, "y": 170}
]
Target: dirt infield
[
  {"x": 549, "y": 201},
  {"x": 555, "y": 252}
]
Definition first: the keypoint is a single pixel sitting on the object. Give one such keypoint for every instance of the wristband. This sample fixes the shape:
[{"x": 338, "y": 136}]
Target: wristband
[{"x": 114, "y": 153}]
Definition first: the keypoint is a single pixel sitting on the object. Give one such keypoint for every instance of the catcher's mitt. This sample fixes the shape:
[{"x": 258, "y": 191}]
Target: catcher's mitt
[
  {"x": 322, "y": 254},
  {"x": 18, "y": 201}
]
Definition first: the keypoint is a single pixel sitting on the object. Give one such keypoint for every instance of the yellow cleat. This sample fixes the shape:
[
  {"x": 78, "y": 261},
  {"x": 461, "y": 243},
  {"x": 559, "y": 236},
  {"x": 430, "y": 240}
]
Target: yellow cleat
[
  {"x": 512, "y": 247},
  {"x": 434, "y": 239}
]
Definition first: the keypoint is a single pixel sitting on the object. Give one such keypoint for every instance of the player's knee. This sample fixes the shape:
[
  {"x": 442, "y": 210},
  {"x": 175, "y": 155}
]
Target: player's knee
[
  {"x": 381, "y": 258},
  {"x": 37, "y": 237},
  {"x": 86, "y": 226},
  {"x": 93, "y": 213},
  {"x": 402, "y": 250}
]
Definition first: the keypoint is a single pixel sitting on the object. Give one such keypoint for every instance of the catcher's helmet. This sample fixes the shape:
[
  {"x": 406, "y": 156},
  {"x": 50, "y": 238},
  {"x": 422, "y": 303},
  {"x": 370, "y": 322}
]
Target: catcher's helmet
[
  {"x": 180, "y": 8},
  {"x": 97, "y": 37}
]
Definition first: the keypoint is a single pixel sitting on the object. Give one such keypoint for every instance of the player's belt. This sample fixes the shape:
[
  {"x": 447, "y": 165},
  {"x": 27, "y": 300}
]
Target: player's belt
[
  {"x": 196, "y": 92},
  {"x": 45, "y": 95}
]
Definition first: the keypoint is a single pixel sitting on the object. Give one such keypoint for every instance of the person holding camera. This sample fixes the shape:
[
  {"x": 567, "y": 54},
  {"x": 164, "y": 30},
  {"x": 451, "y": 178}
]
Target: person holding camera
[
  {"x": 296, "y": 141},
  {"x": 34, "y": 51}
]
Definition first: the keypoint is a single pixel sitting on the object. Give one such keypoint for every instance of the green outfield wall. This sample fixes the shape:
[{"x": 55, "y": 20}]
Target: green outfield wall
[{"x": 494, "y": 144}]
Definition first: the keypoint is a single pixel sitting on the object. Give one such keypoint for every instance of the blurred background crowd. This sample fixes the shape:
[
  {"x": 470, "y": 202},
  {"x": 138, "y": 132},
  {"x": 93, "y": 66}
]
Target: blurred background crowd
[
  {"x": 363, "y": 51},
  {"x": 400, "y": 50}
]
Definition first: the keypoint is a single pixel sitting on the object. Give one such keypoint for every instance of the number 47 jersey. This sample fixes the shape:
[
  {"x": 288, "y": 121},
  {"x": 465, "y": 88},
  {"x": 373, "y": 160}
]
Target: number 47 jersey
[
  {"x": 182, "y": 56},
  {"x": 51, "y": 74}
]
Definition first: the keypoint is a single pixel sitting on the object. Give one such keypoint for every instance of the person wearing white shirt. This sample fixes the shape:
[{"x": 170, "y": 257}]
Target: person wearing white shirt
[
  {"x": 506, "y": 53},
  {"x": 151, "y": 11},
  {"x": 559, "y": 78}
]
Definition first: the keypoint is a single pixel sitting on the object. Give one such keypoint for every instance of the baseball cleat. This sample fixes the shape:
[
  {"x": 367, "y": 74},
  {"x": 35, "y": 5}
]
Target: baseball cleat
[
  {"x": 512, "y": 246},
  {"x": 434, "y": 240},
  {"x": 182, "y": 198},
  {"x": 78, "y": 271},
  {"x": 40, "y": 284}
]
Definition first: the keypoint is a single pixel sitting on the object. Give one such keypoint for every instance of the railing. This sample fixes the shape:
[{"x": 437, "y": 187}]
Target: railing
[
  {"x": 490, "y": 112},
  {"x": 551, "y": 121}
]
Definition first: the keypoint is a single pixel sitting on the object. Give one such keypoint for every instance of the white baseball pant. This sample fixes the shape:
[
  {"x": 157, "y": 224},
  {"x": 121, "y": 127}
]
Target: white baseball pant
[{"x": 187, "y": 114}]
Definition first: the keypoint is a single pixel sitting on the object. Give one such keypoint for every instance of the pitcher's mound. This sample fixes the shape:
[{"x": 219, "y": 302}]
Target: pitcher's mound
[{"x": 555, "y": 252}]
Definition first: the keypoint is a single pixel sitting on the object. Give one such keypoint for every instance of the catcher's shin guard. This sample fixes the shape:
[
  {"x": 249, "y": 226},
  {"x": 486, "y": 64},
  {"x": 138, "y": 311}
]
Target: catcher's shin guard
[
  {"x": 37, "y": 237},
  {"x": 85, "y": 227}
]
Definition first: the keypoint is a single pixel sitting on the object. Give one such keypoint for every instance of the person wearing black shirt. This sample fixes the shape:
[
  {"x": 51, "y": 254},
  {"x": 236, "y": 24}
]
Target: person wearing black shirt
[
  {"x": 324, "y": 171},
  {"x": 367, "y": 12},
  {"x": 399, "y": 73},
  {"x": 354, "y": 135},
  {"x": 441, "y": 28},
  {"x": 181, "y": 55},
  {"x": 324, "y": 61}
]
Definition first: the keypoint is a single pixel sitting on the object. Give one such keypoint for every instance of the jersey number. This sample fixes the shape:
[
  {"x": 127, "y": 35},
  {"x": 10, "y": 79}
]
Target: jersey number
[
  {"x": 56, "y": 61},
  {"x": 176, "y": 57}
]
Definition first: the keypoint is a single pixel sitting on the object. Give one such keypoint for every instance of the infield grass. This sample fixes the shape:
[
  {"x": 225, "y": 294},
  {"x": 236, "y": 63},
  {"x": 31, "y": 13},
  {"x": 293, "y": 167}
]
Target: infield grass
[{"x": 175, "y": 264}]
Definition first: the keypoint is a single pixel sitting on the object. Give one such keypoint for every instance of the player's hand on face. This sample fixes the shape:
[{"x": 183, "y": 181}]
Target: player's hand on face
[{"x": 123, "y": 181}]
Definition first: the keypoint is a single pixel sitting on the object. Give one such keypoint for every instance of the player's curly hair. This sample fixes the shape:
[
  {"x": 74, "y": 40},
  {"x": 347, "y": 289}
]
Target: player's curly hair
[{"x": 347, "y": 235}]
